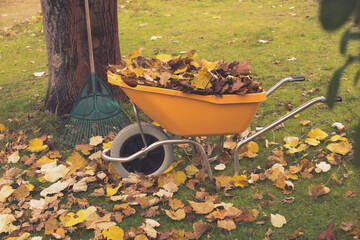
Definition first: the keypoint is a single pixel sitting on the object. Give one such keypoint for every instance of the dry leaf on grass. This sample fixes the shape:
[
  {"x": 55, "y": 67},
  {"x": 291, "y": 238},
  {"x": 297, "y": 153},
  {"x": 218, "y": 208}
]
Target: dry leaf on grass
[
  {"x": 227, "y": 224},
  {"x": 176, "y": 215},
  {"x": 318, "y": 190},
  {"x": 277, "y": 220},
  {"x": 329, "y": 233}
]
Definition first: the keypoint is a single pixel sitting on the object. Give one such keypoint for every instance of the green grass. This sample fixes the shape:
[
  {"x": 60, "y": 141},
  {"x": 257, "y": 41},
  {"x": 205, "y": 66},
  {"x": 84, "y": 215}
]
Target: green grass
[{"x": 228, "y": 30}]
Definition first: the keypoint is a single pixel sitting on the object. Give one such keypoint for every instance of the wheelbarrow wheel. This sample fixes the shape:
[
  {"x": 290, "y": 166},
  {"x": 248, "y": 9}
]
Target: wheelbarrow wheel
[{"x": 129, "y": 141}]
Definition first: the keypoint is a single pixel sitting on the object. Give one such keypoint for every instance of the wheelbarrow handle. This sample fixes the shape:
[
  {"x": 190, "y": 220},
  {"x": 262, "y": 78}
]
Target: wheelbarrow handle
[
  {"x": 321, "y": 99},
  {"x": 282, "y": 81}
]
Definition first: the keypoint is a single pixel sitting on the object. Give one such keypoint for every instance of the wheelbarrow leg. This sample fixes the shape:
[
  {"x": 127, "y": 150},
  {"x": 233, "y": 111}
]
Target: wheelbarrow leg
[
  {"x": 272, "y": 125},
  {"x": 221, "y": 148}
]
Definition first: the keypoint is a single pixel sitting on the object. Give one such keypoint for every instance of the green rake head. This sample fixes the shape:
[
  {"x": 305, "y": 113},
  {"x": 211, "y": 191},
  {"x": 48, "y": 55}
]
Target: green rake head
[{"x": 95, "y": 113}]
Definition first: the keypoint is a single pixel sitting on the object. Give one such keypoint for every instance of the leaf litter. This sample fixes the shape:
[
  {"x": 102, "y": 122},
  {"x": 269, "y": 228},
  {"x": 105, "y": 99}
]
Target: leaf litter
[
  {"x": 184, "y": 73},
  {"x": 55, "y": 177}
]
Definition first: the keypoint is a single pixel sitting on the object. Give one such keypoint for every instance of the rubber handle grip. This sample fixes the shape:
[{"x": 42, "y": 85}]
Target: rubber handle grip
[
  {"x": 298, "y": 78},
  {"x": 338, "y": 99}
]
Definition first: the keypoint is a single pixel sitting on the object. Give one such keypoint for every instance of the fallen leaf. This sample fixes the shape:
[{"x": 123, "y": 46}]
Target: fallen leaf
[
  {"x": 191, "y": 170},
  {"x": 200, "y": 228},
  {"x": 318, "y": 134},
  {"x": 338, "y": 125},
  {"x": 5, "y": 192},
  {"x": 341, "y": 148},
  {"x": 71, "y": 219},
  {"x": 94, "y": 141},
  {"x": 112, "y": 191},
  {"x": 318, "y": 190},
  {"x": 329, "y": 233},
  {"x": 175, "y": 203},
  {"x": 53, "y": 172},
  {"x": 305, "y": 122},
  {"x": 113, "y": 233},
  {"x": 220, "y": 167},
  {"x": 176, "y": 215},
  {"x": 322, "y": 167},
  {"x": 14, "y": 157},
  {"x": 277, "y": 220},
  {"x": 312, "y": 141},
  {"x": 227, "y": 224},
  {"x": 202, "y": 208},
  {"x": 240, "y": 181},
  {"x": 6, "y": 223},
  {"x": 57, "y": 187},
  {"x": 346, "y": 226},
  {"x": 36, "y": 145}
]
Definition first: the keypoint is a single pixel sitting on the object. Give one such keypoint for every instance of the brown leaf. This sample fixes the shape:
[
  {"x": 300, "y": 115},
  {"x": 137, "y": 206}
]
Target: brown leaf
[
  {"x": 227, "y": 224},
  {"x": 346, "y": 226},
  {"x": 178, "y": 215},
  {"x": 329, "y": 233},
  {"x": 175, "y": 203},
  {"x": 202, "y": 208},
  {"x": 200, "y": 228},
  {"x": 318, "y": 190}
]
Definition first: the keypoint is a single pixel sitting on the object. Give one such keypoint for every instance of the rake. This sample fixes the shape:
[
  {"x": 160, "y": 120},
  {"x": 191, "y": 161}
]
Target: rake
[{"x": 96, "y": 112}]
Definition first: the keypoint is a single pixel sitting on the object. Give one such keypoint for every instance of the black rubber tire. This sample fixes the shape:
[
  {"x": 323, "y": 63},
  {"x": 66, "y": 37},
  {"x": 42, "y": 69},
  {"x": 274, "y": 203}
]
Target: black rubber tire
[{"x": 128, "y": 141}]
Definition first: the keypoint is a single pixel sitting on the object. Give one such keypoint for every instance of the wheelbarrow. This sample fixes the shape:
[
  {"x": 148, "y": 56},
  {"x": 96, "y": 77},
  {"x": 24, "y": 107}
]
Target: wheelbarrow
[{"x": 146, "y": 148}]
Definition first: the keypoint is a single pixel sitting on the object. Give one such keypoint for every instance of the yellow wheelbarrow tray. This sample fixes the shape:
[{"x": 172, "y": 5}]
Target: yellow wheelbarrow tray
[
  {"x": 186, "y": 115},
  {"x": 191, "y": 115}
]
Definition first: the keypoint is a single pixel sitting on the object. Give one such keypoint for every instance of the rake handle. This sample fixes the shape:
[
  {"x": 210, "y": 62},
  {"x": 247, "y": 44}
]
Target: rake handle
[{"x": 89, "y": 37}]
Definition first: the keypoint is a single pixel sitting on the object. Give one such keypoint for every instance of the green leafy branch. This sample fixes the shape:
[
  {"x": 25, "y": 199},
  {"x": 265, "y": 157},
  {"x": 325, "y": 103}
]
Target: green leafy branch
[{"x": 333, "y": 15}]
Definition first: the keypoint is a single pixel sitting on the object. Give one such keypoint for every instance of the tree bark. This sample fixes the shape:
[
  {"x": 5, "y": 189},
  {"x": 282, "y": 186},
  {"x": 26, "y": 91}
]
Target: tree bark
[{"x": 67, "y": 47}]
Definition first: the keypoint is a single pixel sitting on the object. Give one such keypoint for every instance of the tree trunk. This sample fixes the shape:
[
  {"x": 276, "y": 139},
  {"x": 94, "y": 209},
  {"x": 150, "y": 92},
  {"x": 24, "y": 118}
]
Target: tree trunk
[{"x": 67, "y": 47}]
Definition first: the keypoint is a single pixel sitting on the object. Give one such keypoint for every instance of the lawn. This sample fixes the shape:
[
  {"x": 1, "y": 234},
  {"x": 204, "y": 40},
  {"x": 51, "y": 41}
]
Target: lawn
[{"x": 281, "y": 39}]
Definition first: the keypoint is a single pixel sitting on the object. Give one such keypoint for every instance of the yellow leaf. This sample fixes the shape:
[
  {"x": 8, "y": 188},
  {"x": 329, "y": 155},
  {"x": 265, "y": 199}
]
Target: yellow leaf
[
  {"x": 45, "y": 160},
  {"x": 293, "y": 150},
  {"x": 297, "y": 115},
  {"x": 113, "y": 233},
  {"x": 71, "y": 219},
  {"x": 291, "y": 142},
  {"x": 178, "y": 176},
  {"x": 240, "y": 181},
  {"x": 2, "y": 127},
  {"x": 107, "y": 145},
  {"x": 164, "y": 57},
  {"x": 140, "y": 237},
  {"x": 30, "y": 187},
  {"x": 77, "y": 162},
  {"x": 202, "y": 80},
  {"x": 112, "y": 171},
  {"x": 112, "y": 191},
  {"x": 36, "y": 145},
  {"x": 5, "y": 192},
  {"x": 318, "y": 134},
  {"x": 134, "y": 54},
  {"x": 301, "y": 148},
  {"x": 209, "y": 65},
  {"x": 342, "y": 147},
  {"x": 191, "y": 170},
  {"x": 138, "y": 71},
  {"x": 336, "y": 138},
  {"x": 252, "y": 147},
  {"x": 180, "y": 70},
  {"x": 312, "y": 141}
]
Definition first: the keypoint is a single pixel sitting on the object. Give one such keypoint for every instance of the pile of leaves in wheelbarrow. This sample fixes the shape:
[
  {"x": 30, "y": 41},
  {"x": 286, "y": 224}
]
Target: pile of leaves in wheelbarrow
[{"x": 185, "y": 74}]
